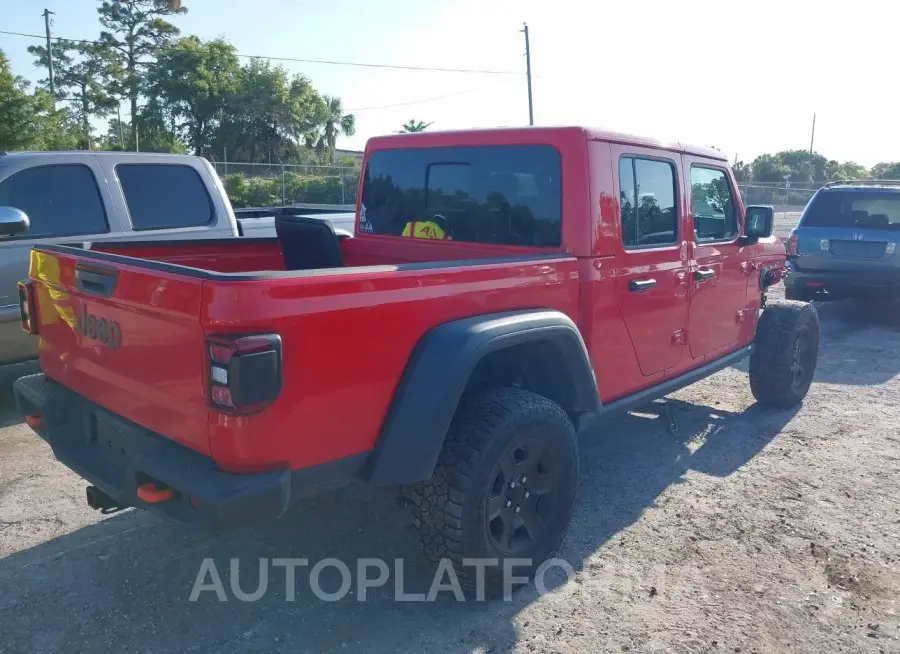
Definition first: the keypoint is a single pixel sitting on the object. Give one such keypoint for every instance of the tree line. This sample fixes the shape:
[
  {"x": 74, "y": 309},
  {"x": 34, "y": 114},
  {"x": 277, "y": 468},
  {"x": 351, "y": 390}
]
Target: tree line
[
  {"x": 187, "y": 95},
  {"x": 803, "y": 167},
  {"x": 183, "y": 94}
]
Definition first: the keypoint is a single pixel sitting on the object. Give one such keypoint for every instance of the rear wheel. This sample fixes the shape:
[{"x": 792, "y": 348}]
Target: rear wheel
[
  {"x": 785, "y": 353},
  {"x": 503, "y": 487}
]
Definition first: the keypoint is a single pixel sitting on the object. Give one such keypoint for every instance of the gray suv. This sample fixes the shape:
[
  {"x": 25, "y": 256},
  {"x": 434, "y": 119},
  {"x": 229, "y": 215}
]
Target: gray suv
[{"x": 845, "y": 244}]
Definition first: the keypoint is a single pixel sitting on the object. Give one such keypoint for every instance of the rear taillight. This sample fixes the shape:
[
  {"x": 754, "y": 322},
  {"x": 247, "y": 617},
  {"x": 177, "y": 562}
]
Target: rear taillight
[
  {"x": 26, "y": 307},
  {"x": 244, "y": 372}
]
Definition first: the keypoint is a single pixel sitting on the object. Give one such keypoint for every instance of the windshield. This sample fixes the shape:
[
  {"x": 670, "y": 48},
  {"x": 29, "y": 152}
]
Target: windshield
[
  {"x": 871, "y": 209},
  {"x": 488, "y": 194}
]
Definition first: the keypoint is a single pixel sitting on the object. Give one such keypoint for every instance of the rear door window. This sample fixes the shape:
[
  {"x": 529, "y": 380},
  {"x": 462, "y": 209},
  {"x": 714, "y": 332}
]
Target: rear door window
[
  {"x": 870, "y": 209},
  {"x": 647, "y": 203},
  {"x": 60, "y": 200},
  {"x": 508, "y": 195},
  {"x": 164, "y": 196},
  {"x": 712, "y": 205}
]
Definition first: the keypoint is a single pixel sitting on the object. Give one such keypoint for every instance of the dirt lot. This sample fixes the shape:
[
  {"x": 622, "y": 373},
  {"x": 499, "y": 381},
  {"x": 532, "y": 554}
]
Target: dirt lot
[
  {"x": 727, "y": 528},
  {"x": 785, "y": 221}
]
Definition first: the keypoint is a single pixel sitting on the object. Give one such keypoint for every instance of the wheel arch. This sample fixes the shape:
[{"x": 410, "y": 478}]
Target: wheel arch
[{"x": 543, "y": 346}]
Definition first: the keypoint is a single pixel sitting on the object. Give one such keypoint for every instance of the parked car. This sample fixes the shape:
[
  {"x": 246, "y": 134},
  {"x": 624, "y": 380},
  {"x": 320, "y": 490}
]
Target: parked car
[
  {"x": 219, "y": 384},
  {"x": 260, "y": 221},
  {"x": 845, "y": 243},
  {"x": 78, "y": 197}
]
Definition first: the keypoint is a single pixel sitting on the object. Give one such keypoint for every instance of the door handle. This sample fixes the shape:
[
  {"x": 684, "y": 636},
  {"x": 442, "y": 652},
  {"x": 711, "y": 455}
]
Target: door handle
[
  {"x": 95, "y": 281},
  {"x": 748, "y": 267},
  {"x": 641, "y": 285},
  {"x": 704, "y": 274}
]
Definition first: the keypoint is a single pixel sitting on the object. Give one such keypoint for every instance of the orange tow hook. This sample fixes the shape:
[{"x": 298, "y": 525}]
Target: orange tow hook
[
  {"x": 35, "y": 422},
  {"x": 151, "y": 493}
]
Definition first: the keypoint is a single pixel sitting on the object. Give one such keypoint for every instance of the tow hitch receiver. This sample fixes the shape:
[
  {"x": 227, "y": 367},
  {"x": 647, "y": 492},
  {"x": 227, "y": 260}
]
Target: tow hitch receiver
[
  {"x": 151, "y": 493},
  {"x": 35, "y": 422}
]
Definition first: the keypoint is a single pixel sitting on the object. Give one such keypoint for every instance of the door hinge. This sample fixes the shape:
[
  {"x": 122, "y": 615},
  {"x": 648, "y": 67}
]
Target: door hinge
[{"x": 679, "y": 337}]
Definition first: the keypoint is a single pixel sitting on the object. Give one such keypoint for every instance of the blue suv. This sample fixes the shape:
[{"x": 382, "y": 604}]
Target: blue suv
[{"x": 845, "y": 244}]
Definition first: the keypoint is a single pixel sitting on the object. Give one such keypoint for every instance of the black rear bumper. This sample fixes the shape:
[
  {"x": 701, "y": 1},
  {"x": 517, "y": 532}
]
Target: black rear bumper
[
  {"x": 877, "y": 281},
  {"x": 117, "y": 456}
]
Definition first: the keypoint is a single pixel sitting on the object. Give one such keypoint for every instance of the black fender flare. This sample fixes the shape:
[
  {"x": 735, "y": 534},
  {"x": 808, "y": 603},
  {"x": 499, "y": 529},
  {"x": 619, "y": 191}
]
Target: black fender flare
[{"x": 436, "y": 375}]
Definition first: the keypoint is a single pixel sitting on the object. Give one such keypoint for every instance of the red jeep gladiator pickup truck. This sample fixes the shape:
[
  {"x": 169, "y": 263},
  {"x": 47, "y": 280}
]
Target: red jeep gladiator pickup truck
[{"x": 505, "y": 288}]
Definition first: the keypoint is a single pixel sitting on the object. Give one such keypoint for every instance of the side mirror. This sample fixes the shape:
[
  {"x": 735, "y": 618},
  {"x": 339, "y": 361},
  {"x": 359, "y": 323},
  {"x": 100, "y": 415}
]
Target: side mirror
[
  {"x": 760, "y": 221},
  {"x": 13, "y": 221}
]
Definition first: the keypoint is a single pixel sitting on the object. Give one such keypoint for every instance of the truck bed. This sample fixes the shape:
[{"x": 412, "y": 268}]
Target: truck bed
[
  {"x": 256, "y": 255},
  {"x": 347, "y": 332}
]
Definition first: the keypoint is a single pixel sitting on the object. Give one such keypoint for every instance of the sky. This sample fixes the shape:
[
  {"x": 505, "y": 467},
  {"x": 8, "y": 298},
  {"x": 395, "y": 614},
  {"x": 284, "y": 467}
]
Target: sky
[{"x": 743, "y": 77}]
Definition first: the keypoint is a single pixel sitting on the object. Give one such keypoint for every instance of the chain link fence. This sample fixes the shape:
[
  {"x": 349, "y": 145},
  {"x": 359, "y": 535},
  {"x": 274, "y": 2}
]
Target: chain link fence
[
  {"x": 270, "y": 185},
  {"x": 789, "y": 200},
  {"x": 786, "y": 198}
]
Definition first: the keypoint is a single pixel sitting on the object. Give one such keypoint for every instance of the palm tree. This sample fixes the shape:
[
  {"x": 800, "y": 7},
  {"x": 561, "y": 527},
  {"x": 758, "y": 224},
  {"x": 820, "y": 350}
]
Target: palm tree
[
  {"x": 334, "y": 123},
  {"x": 411, "y": 126}
]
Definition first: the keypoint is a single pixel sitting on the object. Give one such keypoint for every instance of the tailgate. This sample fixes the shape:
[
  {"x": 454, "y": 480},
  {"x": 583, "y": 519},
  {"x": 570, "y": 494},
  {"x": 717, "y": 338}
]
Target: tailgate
[
  {"x": 844, "y": 250},
  {"x": 125, "y": 334}
]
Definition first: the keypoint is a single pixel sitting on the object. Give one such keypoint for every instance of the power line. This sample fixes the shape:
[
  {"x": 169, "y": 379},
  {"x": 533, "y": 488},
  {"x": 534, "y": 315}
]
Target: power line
[
  {"x": 391, "y": 66},
  {"x": 54, "y": 38},
  {"x": 423, "y": 100},
  {"x": 339, "y": 63},
  {"x": 315, "y": 61}
]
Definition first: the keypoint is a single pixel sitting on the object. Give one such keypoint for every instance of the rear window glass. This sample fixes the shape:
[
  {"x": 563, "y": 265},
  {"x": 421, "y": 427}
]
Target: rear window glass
[
  {"x": 871, "y": 209},
  {"x": 164, "y": 196},
  {"x": 59, "y": 200},
  {"x": 488, "y": 194}
]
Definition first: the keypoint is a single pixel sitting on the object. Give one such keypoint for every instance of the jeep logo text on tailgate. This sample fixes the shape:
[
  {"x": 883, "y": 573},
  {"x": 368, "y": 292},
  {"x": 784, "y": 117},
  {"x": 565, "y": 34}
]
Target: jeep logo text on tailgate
[{"x": 98, "y": 329}]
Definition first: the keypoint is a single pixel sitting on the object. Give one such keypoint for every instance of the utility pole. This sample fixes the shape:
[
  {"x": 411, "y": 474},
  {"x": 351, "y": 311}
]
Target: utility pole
[
  {"x": 813, "y": 137},
  {"x": 528, "y": 70},
  {"x": 46, "y": 15},
  {"x": 121, "y": 133}
]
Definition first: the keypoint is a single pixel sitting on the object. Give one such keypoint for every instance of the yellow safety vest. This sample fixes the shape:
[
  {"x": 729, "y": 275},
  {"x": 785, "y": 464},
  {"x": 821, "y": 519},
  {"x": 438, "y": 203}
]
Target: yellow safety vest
[{"x": 424, "y": 229}]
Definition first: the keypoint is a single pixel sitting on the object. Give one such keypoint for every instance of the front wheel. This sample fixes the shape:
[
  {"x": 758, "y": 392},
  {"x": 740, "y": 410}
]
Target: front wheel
[
  {"x": 786, "y": 350},
  {"x": 503, "y": 488}
]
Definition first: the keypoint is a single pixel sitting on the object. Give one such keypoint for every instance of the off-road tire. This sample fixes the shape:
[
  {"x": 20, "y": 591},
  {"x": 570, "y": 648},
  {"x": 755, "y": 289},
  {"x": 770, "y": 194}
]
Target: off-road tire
[
  {"x": 450, "y": 509},
  {"x": 772, "y": 362}
]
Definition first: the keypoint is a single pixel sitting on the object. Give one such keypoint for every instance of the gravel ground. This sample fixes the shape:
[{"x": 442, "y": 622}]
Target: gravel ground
[
  {"x": 703, "y": 524},
  {"x": 785, "y": 221}
]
